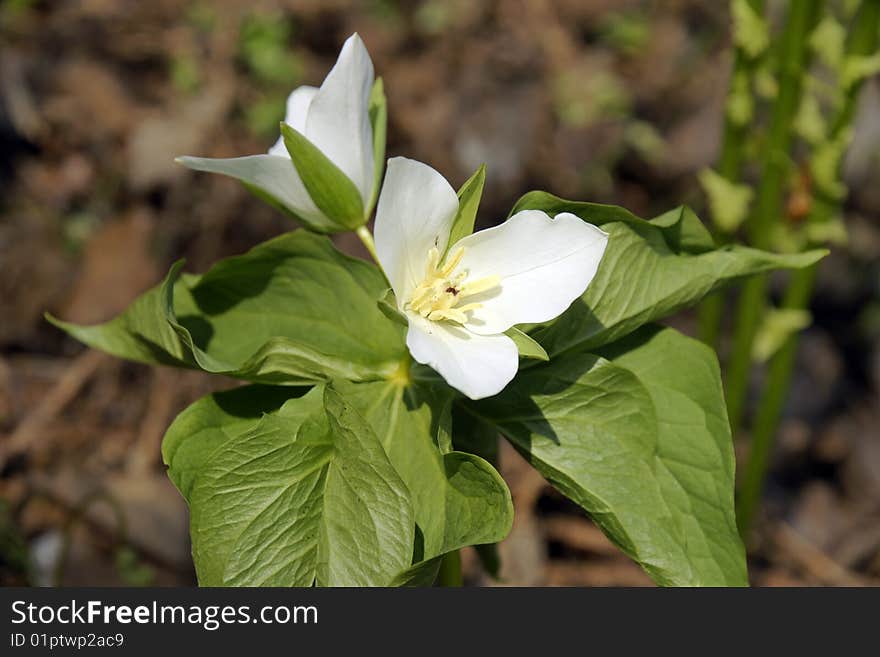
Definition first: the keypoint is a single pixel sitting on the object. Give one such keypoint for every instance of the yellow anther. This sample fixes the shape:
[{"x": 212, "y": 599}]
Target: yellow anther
[{"x": 437, "y": 297}]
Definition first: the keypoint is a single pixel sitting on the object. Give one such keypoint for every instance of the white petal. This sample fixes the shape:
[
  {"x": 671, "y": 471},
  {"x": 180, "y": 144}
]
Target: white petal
[
  {"x": 544, "y": 265},
  {"x": 276, "y": 175},
  {"x": 298, "y": 103},
  {"x": 415, "y": 212},
  {"x": 338, "y": 121},
  {"x": 477, "y": 365}
]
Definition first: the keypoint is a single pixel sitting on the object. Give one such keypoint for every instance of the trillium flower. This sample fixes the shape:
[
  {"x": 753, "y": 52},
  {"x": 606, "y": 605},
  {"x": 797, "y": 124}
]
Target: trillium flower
[
  {"x": 325, "y": 167},
  {"x": 458, "y": 304}
]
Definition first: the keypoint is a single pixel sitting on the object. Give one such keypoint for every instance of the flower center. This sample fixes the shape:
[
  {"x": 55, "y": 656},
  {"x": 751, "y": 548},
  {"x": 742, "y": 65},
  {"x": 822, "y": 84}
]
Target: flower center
[{"x": 439, "y": 296}]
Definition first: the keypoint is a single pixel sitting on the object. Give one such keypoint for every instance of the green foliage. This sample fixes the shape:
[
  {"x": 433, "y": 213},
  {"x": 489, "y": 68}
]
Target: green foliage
[
  {"x": 263, "y": 48},
  {"x": 380, "y": 470},
  {"x": 468, "y": 201},
  {"x": 331, "y": 190},
  {"x": 263, "y": 113},
  {"x": 223, "y": 442},
  {"x": 627, "y": 32},
  {"x": 459, "y": 498},
  {"x": 526, "y": 346},
  {"x": 186, "y": 75},
  {"x": 307, "y": 496},
  {"x": 132, "y": 570},
  {"x": 825, "y": 165},
  {"x": 750, "y": 31},
  {"x": 636, "y": 434},
  {"x": 828, "y": 41},
  {"x": 809, "y": 122},
  {"x": 777, "y": 326},
  {"x": 346, "y": 464},
  {"x": 292, "y": 310},
  {"x": 740, "y": 106},
  {"x": 728, "y": 201},
  {"x": 858, "y": 67},
  {"x": 650, "y": 269}
]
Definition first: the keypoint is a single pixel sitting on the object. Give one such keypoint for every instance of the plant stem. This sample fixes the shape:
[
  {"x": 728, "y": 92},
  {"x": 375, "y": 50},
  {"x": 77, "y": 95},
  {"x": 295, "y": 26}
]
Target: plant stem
[
  {"x": 794, "y": 56},
  {"x": 729, "y": 166},
  {"x": 450, "y": 570},
  {"x": 767, "y": 419},
  {"x": 863, "y": 41},
  {"x": 367, "y": 238}
]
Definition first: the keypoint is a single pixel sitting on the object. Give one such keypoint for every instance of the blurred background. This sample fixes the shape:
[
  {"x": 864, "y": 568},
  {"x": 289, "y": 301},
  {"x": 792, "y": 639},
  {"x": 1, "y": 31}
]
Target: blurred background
[{"x": 618, "y": 101}]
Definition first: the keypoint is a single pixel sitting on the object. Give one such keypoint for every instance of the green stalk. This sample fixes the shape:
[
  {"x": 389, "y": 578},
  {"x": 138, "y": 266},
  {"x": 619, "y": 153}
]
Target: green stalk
[
  {"x": 794, "y": 56},
  {"x": 729, "y": 165},
  {"x": 367, "y": 238},
  {"x": 778, "y": 378},
  {"x": 450, "y": 570},
  {"x": 862, "y": 41}
]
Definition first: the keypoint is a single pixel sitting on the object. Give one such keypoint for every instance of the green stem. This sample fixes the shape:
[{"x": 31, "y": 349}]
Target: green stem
[
  {"x": 767, "y": 419},
  {"x": 367, "y": 238},
  {"x": 450, "y": 570},
  {"x": 794, "y": 56},
  {"x": 729, "y": 165},
  {"x": 863, "y": 41}
]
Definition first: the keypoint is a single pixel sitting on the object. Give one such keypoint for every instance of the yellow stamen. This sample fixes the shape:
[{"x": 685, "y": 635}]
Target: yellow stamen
[
  {"x": 480, "y": 285},
  {"x": 454, "y": 261},
  {"x": 437, "y": 297}
]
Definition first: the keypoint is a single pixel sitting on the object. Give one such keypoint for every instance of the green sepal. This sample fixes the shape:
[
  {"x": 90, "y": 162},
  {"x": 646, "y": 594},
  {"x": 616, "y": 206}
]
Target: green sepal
[{"x": 331, "y": 190}]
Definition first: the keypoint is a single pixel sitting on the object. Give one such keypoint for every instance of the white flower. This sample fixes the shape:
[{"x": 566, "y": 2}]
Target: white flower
[
  {"x": 528, "y": 269},
  {"x": 334, "y": 118}
]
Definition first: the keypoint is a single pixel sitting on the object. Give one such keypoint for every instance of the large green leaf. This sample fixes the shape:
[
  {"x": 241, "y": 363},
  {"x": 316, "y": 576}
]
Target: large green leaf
[
  {"x": 459, "y": 498},
  {"x": 305, "y": 496},
  {"x": 331, "y": 190},
  {"x": 292, "y": 310},
  {"x": 637, "y": 435},
  {"x": 650, "y": 269},
  {"x": 209, "y": 422}
]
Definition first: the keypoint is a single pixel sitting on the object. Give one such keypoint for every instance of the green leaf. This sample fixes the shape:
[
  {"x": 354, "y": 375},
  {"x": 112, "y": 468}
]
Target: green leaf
[
  {"x": 421, "y": 574},
  {"x": 292, "y": 310},
  {"x": 650, "y": 270},
  {"x": 777, "y": 326},
  {"x": 459, "y": 498},
  {"x": 387, "y": 303},
  {"x": 476, "y": 436},
  {"x": 209, "y": 422},
  {"x": 828, "y": 41},
  {"x": 680, "y": 228},
  {"x": 141, "y": 333},
  {"x": 858, "y": 67},
  {"x": 468, "y": 201},
  {"x": 331, "y": 190},
  {"x": 750, "y": 31},
  {"x": 306, "y": 496},
  {"x": 728, "y": 200},
  {"x": 378, "y": 111},
  {"x": 527, "y": 347},
  {"x": 638, "y": 436}
]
